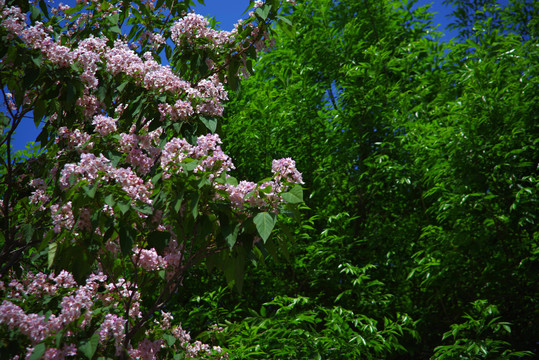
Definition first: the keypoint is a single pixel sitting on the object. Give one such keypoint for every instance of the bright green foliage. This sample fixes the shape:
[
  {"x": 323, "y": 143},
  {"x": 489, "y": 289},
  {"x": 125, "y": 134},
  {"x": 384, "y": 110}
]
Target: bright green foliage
[
  {"x": 478, "y": 337},
  {"x": 420, "y": 159}
]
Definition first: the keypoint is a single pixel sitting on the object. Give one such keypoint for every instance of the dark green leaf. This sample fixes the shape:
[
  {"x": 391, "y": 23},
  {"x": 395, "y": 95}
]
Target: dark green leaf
[
  {"x": 264, "y": 224},
  {"x": 89, "y": 347},
  {"x": 38, "y": 351}
]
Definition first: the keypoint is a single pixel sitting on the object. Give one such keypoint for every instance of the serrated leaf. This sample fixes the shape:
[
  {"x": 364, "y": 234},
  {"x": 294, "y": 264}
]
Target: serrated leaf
[{"x": 264, "y": 224}]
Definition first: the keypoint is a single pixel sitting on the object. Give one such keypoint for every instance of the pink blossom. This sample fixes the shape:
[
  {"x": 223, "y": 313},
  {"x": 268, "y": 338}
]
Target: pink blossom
[
  {"x": 113, "y": 327},
  {"x": 39, "y": 196},
  {"x": 75, "y": 139},
  {"x": 146, "y": 350},
  {"x": 192, "y": 27},
  {"x": 90, "y": 105},
  {"x": 133, "y": 185},
  {"x": 173, "y": 257},
  {"x": 104, "y": 125},
  {"x": 62, "y": 217},
  {"x": 149, "y": 260},
  {"x": 13, "y": 20},
  {"x": 285, "y": 169},
  {"x": 140, "y": 161}
]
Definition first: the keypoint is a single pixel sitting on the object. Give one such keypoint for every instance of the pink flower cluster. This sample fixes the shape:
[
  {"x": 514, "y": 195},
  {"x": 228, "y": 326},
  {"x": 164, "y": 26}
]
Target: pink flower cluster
[
  {"x": 62, "y": 217},
  {"x": 247, "y": 193},
  {"x": 77, "y": 306},
  {"x": 13, "y": 20},
  {"x": 90, "y": 105},
  {"x": 104, "y": 125},
  {"x": 178, "y": 152},
  {"x": 125, "y": 291},
  {"x": 213, "y": 93},
  {"x": 38, "y": 327},
  {"x": 146, "y": 350},
  {"x": 173, "y": 257},
  {"x": 149, "y": 260},
  {"x": 75, "y": 139},
  {"x": 285, "y": 169},
  {"x": 194, "y": 28},
  {"x": 92, "y": 168},
  {"x": 113, "y": 327},
  {"x": 92, "y": 52},
  {"x": 41, "y": 284},
  {"x": 39, "y": 196},
  {"x": 196, "y": 349},
  {"x": 211, "y": 156},
  {"x": 141, "y": 149}
]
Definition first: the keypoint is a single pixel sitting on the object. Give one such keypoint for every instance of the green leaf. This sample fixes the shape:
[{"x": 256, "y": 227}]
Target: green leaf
[
  {"x": 38, "y": 351},
  {"x": 178, "y": 203},
  {"x": 263, "y": 12},
  {"x": 39, "y": 112},
  {"x": 286, "y": 20},
  {"x": 189, "y": 165},
  {"x": 194, "y": 205},
  {"x": 27, "y": 232},
  {"x": 211, "y": 123},
  {"x": 115, "y": 29},
  {"x": 264, "y": 224},
  {"x": 90, "y": 190},
  {"x": 232, "y": 181},
  {"x": 89, "y": 347},
  {"x": 144, "y": 209},
  {"x": 51, "y": 254},
  {"x": 231, "y": 234},
  {"x": 126, "y": 240},
  {"x": 121, "y": 87},
  {"x": 169, "y": 339},
  {"x": 123, "y": 206},
  {"x": 43, "y": 7},
  {"x": 294, "y": 196},
  {"x": 156, "y": 178},
  {"x": 74, "y": 9},
  {"x": 109, "y": 200}
]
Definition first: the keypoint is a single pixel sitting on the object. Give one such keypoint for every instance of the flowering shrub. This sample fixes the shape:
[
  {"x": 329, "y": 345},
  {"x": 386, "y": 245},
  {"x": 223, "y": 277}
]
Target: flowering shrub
[{"x": 131, "y": 188}]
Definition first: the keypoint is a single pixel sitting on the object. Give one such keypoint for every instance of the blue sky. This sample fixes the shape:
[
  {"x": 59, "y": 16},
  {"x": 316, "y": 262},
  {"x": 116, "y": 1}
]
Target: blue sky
[{"x": 226, "y": 12}]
